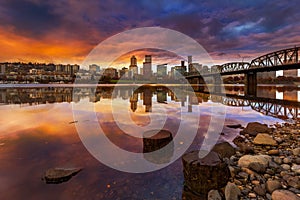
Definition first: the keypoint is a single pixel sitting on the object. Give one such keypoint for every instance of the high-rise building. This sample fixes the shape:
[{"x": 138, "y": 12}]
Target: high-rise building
[
  {"x": 123, "y": 73},
  {"x": 179, "y": 71},
  {"x": 161, "y": 70},
  {"x": 94, "y": 68},
  {"x": 2, "y": 69},
  {"x": 147, "y": 67},
  {"x": 110, "y": 72},
  {"x": 133, "y": 65}
]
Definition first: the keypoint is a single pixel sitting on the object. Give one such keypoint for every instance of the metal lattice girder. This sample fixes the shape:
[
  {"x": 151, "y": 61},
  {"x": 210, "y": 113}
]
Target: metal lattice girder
[
  {"x": 234, "y": 66},
  {"x": 277, "y": 58}
]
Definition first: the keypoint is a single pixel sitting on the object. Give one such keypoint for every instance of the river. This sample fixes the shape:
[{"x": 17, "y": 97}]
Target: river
[{"x": 46, "y": 126}]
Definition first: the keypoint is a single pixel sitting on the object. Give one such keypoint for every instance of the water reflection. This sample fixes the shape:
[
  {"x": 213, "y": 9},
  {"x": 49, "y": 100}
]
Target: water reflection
[
  {"x": 276, "y": 101},
  {"x": 33, "y": 142}
]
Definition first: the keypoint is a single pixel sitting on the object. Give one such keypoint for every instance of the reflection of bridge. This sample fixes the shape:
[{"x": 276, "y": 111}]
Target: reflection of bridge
[
  {"x": 279, "y": 60},
  {"x": 282, "y": 109}
]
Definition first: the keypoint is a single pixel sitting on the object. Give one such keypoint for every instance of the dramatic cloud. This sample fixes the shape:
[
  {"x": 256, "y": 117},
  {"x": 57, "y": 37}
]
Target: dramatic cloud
[{"x": 66, "y": 30}]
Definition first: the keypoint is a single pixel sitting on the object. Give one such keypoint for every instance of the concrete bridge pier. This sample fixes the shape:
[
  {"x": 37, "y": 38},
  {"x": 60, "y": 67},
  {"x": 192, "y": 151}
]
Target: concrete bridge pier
[
  {"x": 251, "y": 84},
  {"x": 195, "y": 83},
  {"x": 217, "y": 81}
]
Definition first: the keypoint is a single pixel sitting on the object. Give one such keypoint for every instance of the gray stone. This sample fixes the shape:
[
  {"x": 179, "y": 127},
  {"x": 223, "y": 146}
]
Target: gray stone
[
  {"x": 286, "y": 160},
  {"x": 272, "y": 185},
  {"x": 245, "y": 160},
  {"x": 244, "y": 175},
  {"x": 294, "y": 182},
  {"x": 214, "y": 195},
  {"x": 232, "y": 192},
  {"x": 59, "y": 175},
  {"x": 253, "y": 128},
  {"x": 269, "y": 197},
  {"x": 285, "y": 167},
  {"x": 284, "y": 195},
  {"x": 296, "y": 151},
  {"x": 258, "y": 167},
  {"x": 277, "y": 160},
  {"x": 252, "y": 195},
  {"x": 259, "y": 190},
  {"x": 264, "y": 139},
  {"x": 296, "y": 169},
  {"x": 273, "y": 152},
  {"x": 224, "y": 149}
]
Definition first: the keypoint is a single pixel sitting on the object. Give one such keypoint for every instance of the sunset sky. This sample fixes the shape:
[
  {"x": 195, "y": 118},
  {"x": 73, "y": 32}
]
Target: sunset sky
[{"x": 65, "y": 31}]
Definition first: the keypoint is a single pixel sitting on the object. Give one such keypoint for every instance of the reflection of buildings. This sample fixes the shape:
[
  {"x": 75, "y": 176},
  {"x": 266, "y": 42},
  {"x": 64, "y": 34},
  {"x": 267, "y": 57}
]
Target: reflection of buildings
[
  {"x": 147, "y": 97},
  {"x": 266, "y": 75},
  {"x": 161, "y": 96},
  {"x": 290, "y": 73},
  {"x": 133, "y": 101},
  {"x": 290, "y": 95},
  {"x": 269, "y": 93}
]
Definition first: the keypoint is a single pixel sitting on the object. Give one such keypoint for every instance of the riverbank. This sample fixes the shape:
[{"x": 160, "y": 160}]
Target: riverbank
[{"x": 265, "y": 165}]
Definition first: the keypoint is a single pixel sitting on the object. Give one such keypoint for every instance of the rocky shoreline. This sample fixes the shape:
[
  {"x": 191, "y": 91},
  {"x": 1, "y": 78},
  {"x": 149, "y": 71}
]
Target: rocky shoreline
[{"x": 265, "y": 164}]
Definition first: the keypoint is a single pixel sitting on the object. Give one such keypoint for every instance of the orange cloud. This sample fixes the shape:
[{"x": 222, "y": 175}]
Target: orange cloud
[{"x": 50, "y": 49}]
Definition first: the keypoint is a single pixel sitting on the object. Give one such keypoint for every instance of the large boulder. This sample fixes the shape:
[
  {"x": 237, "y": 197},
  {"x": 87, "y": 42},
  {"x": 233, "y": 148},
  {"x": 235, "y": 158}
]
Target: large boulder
[
  {"x": 272, "y": 185},
  {"x": 257, "y": 163},
  {"x": 224, "y": 149},
  {"x": 232, "y": 192},
  {"x": 264, "y": 139},
  {"x": 253, "y": 128},
  {"x": 284, "y": 195},
  {"x": 59, "y": 175}
]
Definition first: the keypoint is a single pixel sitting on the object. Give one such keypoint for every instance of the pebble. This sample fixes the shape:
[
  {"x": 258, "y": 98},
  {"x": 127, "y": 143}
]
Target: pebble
[
  {"x": 296, "y": 152},
  {"x": 273, "y": 152},
  {"x": 286, "y": 160},
  {"x": 285, "y": 166},
  {"x": 296, "y": 168},
  {"x": 271, "y": 173},
  {"x": 252, "y": 195},
  {"x": 277, "y": 160},
  {"x": 272, "y": 185}
]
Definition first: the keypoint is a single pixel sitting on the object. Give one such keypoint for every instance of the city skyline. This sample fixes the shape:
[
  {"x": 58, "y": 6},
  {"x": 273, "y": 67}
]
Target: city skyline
[{"x": 65, "y": 32}]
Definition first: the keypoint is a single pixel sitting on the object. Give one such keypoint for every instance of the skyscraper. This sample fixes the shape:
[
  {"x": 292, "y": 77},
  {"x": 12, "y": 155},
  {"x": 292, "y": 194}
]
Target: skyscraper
[
  {"x": 162, "y": 70},
  {"x": 133, "y": 65},
  {"x": 147, "y": 67}
]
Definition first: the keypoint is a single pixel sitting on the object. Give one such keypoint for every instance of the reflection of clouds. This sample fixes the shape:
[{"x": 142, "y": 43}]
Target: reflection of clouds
[{"x": 19, "y": 118}]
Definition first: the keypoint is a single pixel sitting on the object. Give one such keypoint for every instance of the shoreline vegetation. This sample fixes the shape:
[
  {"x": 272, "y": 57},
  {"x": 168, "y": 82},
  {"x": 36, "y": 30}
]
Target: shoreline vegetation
[{"x": 264, "y": 164}]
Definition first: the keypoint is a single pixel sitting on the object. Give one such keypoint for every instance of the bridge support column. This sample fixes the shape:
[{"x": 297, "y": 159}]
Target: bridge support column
[
  {"x": 217, "y": 84},
  {"x": 250, "y": 84}
]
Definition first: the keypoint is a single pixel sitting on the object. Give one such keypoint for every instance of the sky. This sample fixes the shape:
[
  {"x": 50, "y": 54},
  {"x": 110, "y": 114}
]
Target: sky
[{"x": 66, "y": 31}]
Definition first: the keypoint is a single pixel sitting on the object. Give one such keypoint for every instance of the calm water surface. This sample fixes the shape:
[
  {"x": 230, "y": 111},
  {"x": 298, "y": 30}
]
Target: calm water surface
[{"x": 38, "y": 132}]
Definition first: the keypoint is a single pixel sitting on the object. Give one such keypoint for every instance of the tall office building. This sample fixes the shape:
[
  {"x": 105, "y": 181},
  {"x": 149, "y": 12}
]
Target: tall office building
[
  {"x": 2, "y": 69},
  {"x": 147, "y": 67},
  {"x": 161, "y": 70},
  {"x": 133, "y": 65}
]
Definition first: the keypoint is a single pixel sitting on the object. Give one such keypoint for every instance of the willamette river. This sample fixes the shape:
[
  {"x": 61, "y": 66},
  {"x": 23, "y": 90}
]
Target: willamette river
[{"x": 50, "y": 126}]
